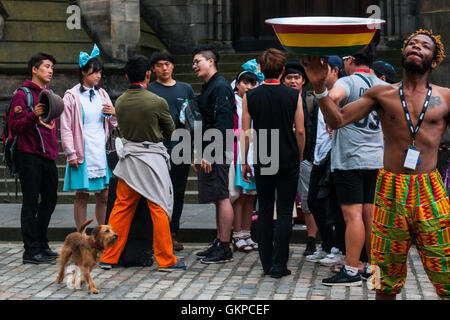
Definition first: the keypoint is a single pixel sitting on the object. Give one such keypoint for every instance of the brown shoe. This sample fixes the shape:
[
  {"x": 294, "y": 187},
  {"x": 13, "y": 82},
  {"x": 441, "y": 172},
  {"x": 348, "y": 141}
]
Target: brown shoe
[{"x": 177, "y": 246}]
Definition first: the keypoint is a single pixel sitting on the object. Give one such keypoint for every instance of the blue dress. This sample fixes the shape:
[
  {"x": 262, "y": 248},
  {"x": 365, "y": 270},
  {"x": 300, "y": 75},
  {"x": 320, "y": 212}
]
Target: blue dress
[{"x": 78, "y": 179}]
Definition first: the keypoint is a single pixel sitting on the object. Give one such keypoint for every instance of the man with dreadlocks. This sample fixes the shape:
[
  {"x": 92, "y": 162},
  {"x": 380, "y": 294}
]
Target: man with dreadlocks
[{"x": 410, "y": 198}]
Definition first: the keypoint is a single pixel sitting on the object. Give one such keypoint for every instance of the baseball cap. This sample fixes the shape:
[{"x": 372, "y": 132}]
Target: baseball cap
[
  {"x": 294, "y": 66},
  {"x": 335, "y": 61},
  {"x": 382, "y": 68}
]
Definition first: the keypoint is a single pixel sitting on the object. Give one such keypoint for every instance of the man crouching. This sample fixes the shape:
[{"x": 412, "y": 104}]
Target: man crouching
[{"x": 143, "y": 168}]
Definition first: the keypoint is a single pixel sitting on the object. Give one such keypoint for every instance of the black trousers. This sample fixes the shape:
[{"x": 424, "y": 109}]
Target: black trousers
[
  {"x": 179, "y": 175},
  {"x": 327, "y": 213},
  {"x": 38, "y": 177},
  {"x": 319, "y": 207},
  {"x": 273, "y": 239}
]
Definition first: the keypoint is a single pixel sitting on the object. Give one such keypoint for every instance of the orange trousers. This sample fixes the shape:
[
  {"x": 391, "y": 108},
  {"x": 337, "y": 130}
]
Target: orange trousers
[{"x": 120, "y": 220}]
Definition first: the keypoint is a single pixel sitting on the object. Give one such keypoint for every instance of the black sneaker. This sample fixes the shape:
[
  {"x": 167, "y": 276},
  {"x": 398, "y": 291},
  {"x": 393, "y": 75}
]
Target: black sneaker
[
  {"x": 38, "y": 259},
  {"x": 310, "y": 246},
  {"x": 278, "y": 275},
  {"x": 343, "y": 279},
  {"x": 49, "y": 253},
  {"x": 204, "y": 253},
  {"x": 218, "y": 255}
]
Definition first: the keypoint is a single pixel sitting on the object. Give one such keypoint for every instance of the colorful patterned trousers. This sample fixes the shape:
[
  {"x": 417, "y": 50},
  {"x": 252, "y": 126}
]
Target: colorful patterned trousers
[{"x": 408, "y": 206}]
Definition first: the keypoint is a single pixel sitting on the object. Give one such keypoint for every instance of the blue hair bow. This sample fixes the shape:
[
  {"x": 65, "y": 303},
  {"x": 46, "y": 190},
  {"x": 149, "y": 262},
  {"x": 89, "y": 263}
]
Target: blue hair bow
[
  {"x": 84, "y": 57},
  {"x": 251, "y": 66}
]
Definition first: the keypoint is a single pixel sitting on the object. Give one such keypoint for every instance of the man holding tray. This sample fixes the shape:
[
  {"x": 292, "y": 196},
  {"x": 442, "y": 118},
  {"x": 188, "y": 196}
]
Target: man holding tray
[{"x": 410, "y": 198}]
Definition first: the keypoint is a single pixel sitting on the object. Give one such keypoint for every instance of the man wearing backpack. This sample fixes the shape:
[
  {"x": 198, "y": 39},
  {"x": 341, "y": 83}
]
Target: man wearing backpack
[
  {"x": 175, "y": 93},
  {"x": 36, "y": 153}
]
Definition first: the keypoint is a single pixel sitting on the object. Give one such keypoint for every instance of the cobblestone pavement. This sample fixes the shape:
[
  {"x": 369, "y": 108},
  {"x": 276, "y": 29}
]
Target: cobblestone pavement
[{"x": 241, "y": 279}]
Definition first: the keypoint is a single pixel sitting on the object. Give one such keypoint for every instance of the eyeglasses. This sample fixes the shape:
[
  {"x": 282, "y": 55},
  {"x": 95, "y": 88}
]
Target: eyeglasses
[{"x": 196, "y": 61}]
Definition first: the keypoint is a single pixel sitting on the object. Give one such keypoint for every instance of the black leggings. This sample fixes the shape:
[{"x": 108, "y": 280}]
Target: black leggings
[{"x": 273, "y": 239}]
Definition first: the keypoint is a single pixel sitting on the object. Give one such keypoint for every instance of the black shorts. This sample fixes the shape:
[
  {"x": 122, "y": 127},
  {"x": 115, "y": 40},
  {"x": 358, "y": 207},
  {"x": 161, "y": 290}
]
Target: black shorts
[
  {"x": 355, "y": 186},
  {"x": 213, "y": 186}
]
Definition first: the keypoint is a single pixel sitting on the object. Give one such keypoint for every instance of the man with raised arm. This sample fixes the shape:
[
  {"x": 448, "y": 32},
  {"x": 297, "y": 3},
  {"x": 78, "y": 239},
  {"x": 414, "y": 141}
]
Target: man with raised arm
[{"x": 410, "y": 198}]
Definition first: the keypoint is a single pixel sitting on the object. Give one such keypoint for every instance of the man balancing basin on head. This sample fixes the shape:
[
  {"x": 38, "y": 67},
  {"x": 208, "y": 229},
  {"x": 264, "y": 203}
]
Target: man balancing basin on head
[{"x": 410, "y": 197}]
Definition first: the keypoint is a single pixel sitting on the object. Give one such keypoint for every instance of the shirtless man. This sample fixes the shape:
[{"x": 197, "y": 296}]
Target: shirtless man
[{"x": 410, "y": 197}]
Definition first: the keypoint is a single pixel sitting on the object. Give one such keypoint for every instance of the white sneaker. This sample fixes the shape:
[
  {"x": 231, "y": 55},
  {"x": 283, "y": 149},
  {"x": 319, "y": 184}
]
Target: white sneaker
[
  {"x": 335, "y": 250},
  {"x": 333, "y": 259},
  {"x": 316, "y": 256}
]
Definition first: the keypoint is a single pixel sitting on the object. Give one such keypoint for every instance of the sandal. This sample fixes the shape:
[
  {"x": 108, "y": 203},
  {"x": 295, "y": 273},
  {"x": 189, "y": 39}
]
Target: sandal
[
  {"x": 252, "y": 243},
  {"x": 241, "y": 245}
]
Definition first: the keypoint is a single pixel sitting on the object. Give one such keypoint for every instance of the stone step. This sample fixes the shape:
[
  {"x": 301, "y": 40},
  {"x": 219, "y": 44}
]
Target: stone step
[
  {"x": 61, "y": 172},
  {"x": 43, "y": 31},
  {"x": 223, "y": 67},
  {"x": 237, "y": 58},
  {"x": 54, "y": 10},
  {"x": 190, "y": 197},
  {"x": 11, "y": 187},
  {"x": 191, "y": 78},
  {"x": 18, "y": 52}
]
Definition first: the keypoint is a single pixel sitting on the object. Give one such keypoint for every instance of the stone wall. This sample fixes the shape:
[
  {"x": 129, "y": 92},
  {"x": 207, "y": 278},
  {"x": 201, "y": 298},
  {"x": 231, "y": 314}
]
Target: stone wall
[
  {"x": 182, "y": 24},
  {"x": 401, "y": 20},
  {"x": 435, "y": 15},
  {"x": 114, "y": 25}
]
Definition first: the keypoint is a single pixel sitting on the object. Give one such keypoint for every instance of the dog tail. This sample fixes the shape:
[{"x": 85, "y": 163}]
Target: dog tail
[{"x": 84, "y": 225}]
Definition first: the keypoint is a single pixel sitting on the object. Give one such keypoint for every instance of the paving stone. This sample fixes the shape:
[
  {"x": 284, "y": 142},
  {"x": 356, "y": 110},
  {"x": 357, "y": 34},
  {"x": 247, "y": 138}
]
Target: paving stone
[{"x": 242, "y": 279}]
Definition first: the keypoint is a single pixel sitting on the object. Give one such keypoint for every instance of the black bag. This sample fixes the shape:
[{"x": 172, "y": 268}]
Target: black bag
[
  {"x": 192, "y": 114},
  {"x": 10, "y": 141},
  {"x": 111, "y": 153}
]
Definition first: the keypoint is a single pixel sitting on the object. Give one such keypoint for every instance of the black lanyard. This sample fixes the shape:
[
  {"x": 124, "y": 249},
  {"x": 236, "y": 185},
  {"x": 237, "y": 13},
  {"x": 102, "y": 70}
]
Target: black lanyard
[{"x": 422, "y": 114}]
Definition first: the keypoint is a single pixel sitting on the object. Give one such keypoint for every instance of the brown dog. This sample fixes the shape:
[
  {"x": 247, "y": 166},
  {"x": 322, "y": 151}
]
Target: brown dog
[{"x": 85, "y": 250}]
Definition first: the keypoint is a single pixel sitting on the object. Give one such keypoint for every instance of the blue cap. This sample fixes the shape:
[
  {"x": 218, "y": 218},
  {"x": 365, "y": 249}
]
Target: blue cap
[
  {"x": 335, "y": 61},
  {"x": 382, "y": 68}
]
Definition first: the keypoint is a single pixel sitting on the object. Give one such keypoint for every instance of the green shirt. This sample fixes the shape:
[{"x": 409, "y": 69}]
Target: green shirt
[{"x": 143, "y": 116}]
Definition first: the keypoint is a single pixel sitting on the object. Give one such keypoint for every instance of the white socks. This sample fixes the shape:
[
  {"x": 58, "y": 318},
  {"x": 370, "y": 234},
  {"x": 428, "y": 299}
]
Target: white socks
[{"x": 351, "y": 271}]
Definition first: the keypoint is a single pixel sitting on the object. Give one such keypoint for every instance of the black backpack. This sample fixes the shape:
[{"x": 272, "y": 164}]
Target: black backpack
[{"x": 10, "y": 141}]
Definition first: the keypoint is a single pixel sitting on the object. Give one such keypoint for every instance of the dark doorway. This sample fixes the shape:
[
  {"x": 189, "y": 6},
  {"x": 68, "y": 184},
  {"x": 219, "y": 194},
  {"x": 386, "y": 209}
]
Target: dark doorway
[{"x": 250, "y": 33}]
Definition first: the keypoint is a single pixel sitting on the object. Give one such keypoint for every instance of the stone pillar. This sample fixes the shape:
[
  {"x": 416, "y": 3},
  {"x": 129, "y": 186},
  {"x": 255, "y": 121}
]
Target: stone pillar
[
  {"x": 114, "y": 25},
  {"x": 183, "y": 24},
  {"x": 435, "y": 15}
]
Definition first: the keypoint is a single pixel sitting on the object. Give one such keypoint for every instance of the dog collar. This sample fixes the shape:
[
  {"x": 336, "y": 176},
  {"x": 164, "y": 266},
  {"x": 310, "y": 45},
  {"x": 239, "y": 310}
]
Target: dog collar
[{"x": 93, "y": 245}]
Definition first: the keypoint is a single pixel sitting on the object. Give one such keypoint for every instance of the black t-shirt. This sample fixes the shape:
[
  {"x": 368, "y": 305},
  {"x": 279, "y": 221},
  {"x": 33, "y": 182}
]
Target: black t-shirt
[
  {"x": 175, "y": 96},
  {"x": 273, "y": 107}
]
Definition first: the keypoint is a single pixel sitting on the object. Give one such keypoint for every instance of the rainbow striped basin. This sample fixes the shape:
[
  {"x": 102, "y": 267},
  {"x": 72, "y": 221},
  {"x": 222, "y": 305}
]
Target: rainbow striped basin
[{"x": 324, "y": 35}]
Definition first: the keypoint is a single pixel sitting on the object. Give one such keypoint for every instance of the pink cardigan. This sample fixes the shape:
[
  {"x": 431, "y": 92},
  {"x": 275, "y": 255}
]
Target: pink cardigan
[{"x": 71, "y": 121}]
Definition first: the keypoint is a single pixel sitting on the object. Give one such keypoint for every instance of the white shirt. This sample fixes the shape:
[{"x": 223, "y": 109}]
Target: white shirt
[{"x": 323, "y": 140}]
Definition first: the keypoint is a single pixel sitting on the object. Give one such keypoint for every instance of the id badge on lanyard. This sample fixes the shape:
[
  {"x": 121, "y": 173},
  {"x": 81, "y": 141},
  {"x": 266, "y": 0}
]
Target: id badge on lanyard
[{"x": 412, "y": 158}]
